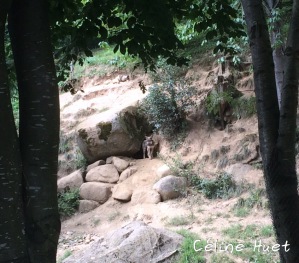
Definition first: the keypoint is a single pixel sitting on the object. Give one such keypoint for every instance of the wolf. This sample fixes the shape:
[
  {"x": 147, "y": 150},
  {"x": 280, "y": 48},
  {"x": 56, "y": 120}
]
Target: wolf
[{"x": 148, "y": 145}]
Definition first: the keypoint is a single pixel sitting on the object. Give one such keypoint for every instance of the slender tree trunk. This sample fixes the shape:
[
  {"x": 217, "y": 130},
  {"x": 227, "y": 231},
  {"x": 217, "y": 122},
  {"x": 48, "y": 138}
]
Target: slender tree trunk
[
  {"x": 39, "y": 125},
  {"x": 12, "y": 238},
  {"x": 277, "y": 131}
]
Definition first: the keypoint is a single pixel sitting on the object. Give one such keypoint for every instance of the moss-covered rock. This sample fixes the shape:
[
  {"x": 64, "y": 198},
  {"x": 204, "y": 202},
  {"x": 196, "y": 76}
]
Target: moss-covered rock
[
  {"x": 112, "y": 134},
  {"x": 104, "y": 130}
]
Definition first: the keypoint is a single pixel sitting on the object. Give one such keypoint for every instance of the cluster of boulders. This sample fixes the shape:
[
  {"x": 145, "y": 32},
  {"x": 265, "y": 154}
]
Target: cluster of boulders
[{"x": 113, "y": 177}]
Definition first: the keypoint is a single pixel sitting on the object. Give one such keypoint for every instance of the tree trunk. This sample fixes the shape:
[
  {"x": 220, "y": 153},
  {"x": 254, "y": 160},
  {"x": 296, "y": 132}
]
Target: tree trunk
[
  {"x": 12, "y": 238},
  {"x": 277, "y": 132},
  {"x": 39, "y": 125}
]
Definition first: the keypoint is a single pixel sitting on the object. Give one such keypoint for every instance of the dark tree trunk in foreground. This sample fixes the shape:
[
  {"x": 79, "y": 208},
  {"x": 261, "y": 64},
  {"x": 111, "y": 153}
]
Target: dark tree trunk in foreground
[
  {"x": 39, "y": 125},
  {"x": 277, "y": 127},
  {"x": 12, "y": 239},
  {"x": 37, "y": 149}
]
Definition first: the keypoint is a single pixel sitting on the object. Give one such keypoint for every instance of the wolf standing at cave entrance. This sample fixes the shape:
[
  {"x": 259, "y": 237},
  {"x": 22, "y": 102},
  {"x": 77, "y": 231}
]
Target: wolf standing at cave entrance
[{"x": 148, "y": 145}]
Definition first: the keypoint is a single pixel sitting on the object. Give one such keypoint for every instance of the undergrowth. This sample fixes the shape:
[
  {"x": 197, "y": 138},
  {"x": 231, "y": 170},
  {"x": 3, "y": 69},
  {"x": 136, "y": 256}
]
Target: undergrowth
[
  {"x": 186, "y": 253},
  {"x": 68, "y": 202},
  {"x": 178, "y": 167},
  {"x": 223, "y": 186}
]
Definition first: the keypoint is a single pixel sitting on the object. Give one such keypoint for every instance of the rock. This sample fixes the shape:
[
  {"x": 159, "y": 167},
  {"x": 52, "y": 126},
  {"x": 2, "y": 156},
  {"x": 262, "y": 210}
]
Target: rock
[
  {"x": 122, "y": 192},
  {"x": 145, "y": 197},
  {"x": 99, "y": 192},
  {"x": 163, "y": 171},
  {"x": 245, "y": 173},
  {"x": 106, "y": 173},
  {"x": 135, "y": 242},
  {"x": 120, "y": 164},
  {"x": 127, "y": 173},
  {"x": 73, "y": 180},
  {"x": 171, "y": 187},
  {"x": 111, "y": 133},
  {"x": 109, "y": 160},
  {"x": 128, "y": 159},
  {"x": 247, "y": 149},
  {"x": 222, "y": 162},
  {"x": 95, "y": 164},
  {"x": 87, "y": 205}
]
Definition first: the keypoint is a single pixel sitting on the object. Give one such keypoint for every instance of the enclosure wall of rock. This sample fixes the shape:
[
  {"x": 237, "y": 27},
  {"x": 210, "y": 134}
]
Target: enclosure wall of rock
[{"x": 110, "y": 178}]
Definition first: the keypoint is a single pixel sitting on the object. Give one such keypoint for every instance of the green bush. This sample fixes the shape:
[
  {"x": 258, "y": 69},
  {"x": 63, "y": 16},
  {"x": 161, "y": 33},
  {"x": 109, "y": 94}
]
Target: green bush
[
  {"x": 68, "y": 202},
  {"x": 221, "y": 187},
  {"x": 213, "y": 101},
  {"x": 244, "y": 107},
  {"x": 167, "y": 106}
]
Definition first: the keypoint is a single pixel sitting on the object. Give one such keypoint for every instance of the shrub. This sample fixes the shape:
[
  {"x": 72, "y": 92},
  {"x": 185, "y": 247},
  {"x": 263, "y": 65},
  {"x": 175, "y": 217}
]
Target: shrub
[
  {"x": 68, "y": 202},
  {"x": 244, "y": 107},
  {"x": 179, "y": 168},
  {"x": 167, "y": 106},
  {"x": 213, "y": 100},
  {"x": 221, "y": 187}
]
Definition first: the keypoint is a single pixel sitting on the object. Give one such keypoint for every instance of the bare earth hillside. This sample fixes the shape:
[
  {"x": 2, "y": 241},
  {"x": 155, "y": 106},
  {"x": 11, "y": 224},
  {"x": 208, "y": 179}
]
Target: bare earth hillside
[{"x": 209, "y": 149}]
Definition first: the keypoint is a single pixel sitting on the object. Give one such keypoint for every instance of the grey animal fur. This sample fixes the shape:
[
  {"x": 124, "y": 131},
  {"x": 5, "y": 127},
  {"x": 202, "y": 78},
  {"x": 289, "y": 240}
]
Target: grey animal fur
[{"x": 148, "y": 146}]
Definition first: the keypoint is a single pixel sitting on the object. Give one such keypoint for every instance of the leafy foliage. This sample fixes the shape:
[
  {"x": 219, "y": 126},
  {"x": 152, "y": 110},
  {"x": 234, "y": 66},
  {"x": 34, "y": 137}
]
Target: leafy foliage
[
  {"x": 214, "y": 99},
  {"x": 179, "y": 168},
  {"x": 68, "y": 202},
  {"x": 223, "y": 186},
  {"x": 167, "y": 106},
  {"x": 244, "y": 107}
]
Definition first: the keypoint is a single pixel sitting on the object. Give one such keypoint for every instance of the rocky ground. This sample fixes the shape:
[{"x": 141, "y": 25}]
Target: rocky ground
[{"x": 209, "y": 149}]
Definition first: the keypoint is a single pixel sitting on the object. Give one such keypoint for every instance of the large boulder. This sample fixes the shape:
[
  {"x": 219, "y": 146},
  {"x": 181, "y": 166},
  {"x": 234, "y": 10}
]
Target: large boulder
[
  {"x": 95, "y": 164},
  {"x": 127, "y": 173},
  {"x": 71, "y": 181},
  {"x": 145, "y": 196},
  {"x": 99, "y": 192},
  {"x": 120, "y": 164},
  {"x": 135, "y": 242},
  {"x": 87, "y": 205},
  {"x": 106, "y": 173},
  {"x": 163, "y": 171},
  {"x": 111, "y": 133},
  {"x": 122, "y": 192},
  {"x": 171, "y": 187}
]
